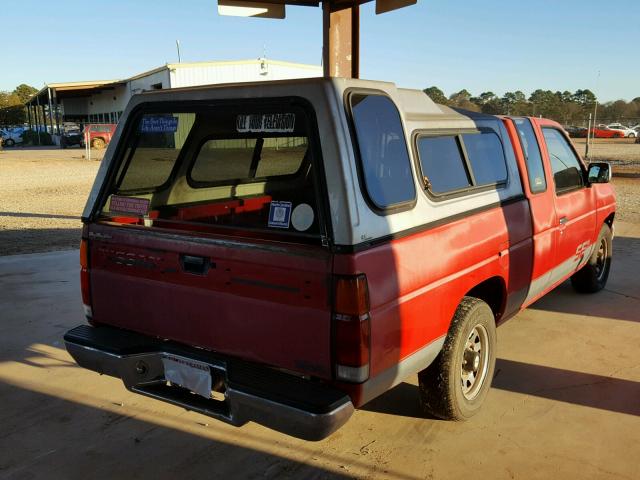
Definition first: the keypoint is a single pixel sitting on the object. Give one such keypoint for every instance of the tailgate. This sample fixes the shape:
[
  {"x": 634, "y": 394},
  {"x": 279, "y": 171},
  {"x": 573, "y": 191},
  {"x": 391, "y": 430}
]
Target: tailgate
[{"x": 259, "y": 300}]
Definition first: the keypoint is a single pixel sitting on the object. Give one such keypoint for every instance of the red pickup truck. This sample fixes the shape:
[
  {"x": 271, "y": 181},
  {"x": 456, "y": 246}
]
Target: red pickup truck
[{"x": 284, "y": 252}]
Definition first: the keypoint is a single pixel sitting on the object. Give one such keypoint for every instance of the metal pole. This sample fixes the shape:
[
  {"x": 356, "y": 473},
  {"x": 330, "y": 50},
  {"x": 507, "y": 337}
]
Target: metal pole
[
  {"x": 50, "y": 110},
  {"x": 178, "y": 47},
  {"x": 586, "y": 151},
  {"x": 37, "y": 122}
]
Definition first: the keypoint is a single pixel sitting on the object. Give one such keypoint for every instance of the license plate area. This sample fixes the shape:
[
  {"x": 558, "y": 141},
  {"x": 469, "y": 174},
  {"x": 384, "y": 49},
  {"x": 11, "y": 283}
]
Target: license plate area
[{"x": 198, "y": 377}]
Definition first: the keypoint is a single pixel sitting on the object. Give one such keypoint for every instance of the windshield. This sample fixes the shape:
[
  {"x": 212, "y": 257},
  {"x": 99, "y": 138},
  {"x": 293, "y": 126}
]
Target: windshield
[{"x": 216, "y": 169}]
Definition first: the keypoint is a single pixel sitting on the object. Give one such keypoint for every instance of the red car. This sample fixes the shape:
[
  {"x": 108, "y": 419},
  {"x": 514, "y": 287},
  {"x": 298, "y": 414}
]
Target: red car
[
  {"x": 606, "y": 132},
  {"x": 99, "y": 134}
]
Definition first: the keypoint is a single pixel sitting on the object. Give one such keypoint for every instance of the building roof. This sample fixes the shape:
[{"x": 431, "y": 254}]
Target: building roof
[
  {"x": 84, "y": 88},
  {"x": 73, "y": 89}
]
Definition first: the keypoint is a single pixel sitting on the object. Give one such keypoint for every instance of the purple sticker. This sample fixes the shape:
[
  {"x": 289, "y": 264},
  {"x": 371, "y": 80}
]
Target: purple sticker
[{"x": 137, "y": 206}]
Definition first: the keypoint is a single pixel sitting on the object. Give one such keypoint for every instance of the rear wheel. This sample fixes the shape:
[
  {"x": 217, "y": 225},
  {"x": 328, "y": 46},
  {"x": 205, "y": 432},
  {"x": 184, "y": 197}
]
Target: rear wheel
[
  {"x": 9, "y": 142},
  {"x": 455, "y": 385},
  {"x": 593, "y": 276},
  {"x": 98, "y": 143}
]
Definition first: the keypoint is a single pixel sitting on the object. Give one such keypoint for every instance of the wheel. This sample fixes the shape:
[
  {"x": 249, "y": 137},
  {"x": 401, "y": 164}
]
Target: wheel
[
  {"x": 593, "y": 276},
  {"x": 9, "y": 142},
  {"x": 632, "y": 135},
  {"x": 98, "y": 143},
  {"x": 455, "y": 385},
  {"x": 63, "y": 143}
]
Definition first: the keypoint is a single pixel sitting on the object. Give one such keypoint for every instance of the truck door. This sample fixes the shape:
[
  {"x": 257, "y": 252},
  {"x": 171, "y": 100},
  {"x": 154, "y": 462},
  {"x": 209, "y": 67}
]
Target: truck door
[
  {"x": 574, "y": 202},
  {"x": 538, "y": 183}
]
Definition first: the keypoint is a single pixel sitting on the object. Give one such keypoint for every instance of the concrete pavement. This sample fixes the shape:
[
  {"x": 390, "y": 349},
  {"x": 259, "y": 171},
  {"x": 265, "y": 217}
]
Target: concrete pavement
[{"x": 565, "y": 402}]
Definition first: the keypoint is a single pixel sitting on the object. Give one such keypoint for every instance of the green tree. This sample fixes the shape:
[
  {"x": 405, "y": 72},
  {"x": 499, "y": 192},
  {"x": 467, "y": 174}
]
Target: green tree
[
  {"x": 437, "y": 95},
  {"x": 24, "y": 92}
]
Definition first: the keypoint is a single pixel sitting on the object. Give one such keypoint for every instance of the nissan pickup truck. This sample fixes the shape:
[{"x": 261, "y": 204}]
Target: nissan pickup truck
[{"x": 284, "y": 252}]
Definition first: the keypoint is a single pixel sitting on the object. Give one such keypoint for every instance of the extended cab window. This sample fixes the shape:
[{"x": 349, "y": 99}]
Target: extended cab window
[
  {"x": 383, "y": 151},
  {"x": 486, "y": 157},
  {"x": 567, "y": 172},
  {"x": 533, "y": 158},
  {"x": 443, "y": 164},
  {"x": 212, "y": 169},
  {"x": 451, "y": 163}
]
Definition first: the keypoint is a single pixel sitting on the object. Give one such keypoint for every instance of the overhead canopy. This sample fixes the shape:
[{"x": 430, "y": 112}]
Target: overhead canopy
[
  {"x": 341, "y": 26},
  {"x": 71, "y": 90}
]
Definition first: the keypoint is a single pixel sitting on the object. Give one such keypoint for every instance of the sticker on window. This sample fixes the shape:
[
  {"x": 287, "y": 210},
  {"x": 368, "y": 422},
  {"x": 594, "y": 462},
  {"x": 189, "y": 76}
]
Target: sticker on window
[
  {"x": 159, "y": 124},
  {"x": 129, "y": 205},
  {"x": 267, "y": 122},
  {"x": 302, "y": 217},
  {"x": 279, "y": 214}
]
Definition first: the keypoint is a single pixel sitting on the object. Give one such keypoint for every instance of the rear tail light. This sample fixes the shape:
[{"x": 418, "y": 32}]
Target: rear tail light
[
  {"x": 85, "y": 286},
  {"x": 352, "y": 328}
]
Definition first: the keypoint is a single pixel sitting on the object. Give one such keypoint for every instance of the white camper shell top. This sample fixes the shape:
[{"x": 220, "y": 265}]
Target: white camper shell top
[{"x": 353, "y": 220}]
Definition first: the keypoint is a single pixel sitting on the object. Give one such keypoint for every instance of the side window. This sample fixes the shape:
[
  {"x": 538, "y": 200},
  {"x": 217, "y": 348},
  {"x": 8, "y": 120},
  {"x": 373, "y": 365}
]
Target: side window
[
  {"x": 567, "y": 172},
  {"x": 383, "y": 151},
  {"x": 486, "y": 157},
  {"x": 443, "y": 164},
  {"x": 533, "y": 158}
]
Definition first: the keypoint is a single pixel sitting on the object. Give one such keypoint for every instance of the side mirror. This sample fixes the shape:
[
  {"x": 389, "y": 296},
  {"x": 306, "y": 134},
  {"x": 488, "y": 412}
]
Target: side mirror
[{"x": 599, "y": 172}]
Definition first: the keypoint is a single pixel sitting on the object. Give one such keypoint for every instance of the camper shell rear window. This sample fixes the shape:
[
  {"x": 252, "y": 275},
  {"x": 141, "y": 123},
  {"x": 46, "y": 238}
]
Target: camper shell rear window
[{"x": 229, "y": 167}]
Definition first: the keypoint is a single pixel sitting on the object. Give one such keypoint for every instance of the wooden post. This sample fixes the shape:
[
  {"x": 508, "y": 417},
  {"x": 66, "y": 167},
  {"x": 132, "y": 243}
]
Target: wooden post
[{"x": 341, "y": 41}]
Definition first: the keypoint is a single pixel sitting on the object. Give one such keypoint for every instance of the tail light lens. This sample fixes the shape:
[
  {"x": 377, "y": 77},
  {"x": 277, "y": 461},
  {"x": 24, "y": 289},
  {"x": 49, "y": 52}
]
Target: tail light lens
[
  {"x": 352, "y": 328},
  {"x": 85, "y": 286}
]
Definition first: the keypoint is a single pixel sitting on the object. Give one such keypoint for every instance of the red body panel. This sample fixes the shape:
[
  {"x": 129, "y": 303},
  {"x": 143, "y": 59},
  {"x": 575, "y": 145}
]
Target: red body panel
[
  {"x": 417, "y": 282},
  {"x": 263, "y": 301}
]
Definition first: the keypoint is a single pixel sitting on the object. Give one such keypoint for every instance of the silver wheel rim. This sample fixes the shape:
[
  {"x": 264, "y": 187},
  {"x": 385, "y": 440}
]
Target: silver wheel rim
[
  {"x": 601, "y": 259},
  {"x": 475, "y": 362}
]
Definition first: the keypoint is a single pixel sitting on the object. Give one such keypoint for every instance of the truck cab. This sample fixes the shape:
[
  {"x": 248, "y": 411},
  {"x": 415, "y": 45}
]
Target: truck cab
[{"x": 284, "y": 252}]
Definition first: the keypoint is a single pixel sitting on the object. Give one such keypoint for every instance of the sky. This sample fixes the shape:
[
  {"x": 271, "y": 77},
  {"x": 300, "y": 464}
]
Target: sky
[{"x": 480, "y": 45}]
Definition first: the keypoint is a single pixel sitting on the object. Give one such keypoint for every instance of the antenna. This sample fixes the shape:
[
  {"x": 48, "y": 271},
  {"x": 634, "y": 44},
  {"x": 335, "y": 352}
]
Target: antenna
[{"x": 178, "y": 48}]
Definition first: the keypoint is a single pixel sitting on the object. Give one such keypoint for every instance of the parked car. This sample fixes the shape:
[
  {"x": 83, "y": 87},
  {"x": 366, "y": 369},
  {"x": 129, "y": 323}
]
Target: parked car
[
  {"x": 71, "y": 135},
  {"x": 99, "y": 134},
  {"x": 288, "y": 257},
  {"x": 626, "y": 131},
  {"x": 605, "y": 132},
  {"x": 575, "y": 132},
  {"x": 11, "y": 137}
]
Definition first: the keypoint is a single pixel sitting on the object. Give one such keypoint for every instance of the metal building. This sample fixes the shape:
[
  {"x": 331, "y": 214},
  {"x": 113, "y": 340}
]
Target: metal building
[{"x": 103, "y": 101}]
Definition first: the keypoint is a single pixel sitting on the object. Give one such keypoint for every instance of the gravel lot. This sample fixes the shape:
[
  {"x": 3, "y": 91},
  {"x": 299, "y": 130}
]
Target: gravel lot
[{"x": 43, "y": 192}]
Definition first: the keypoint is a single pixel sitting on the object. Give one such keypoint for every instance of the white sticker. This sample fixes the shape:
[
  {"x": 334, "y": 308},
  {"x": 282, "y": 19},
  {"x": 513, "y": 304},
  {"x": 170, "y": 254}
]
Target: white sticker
[
  {"x": 302, "y": 217},
  {"x": 266, "y": 122}
]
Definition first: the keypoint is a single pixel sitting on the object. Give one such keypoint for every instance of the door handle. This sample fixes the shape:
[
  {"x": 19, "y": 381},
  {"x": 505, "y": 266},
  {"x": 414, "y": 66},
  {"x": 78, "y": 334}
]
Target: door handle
[
  {"x": 564, "y": 220},
  {"x": 195, "y": 265}
]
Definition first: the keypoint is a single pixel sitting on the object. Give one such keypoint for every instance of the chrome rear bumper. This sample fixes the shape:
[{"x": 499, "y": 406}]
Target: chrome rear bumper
[{"x": 286, "y": 403}]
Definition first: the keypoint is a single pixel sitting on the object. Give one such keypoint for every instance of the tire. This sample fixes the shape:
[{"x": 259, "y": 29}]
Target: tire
[
  {"x": 445, "y": 391},
  {"x": 9, "y": 142},
  {"x": 98, "y": 143},
  {"x": 632, "y": 135},
  {"x": 593, "y": 276}
]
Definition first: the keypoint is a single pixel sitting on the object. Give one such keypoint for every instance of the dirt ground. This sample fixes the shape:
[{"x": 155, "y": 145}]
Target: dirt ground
[{"x": 43, "y": 192}]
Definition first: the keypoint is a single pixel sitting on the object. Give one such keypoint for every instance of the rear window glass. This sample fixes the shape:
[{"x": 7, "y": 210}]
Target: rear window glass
[
  {"x": 236, "y": 159},
  {"x": 383, "y": 151},
  {"x": 442, "y": 164},
  {"x": 486, "y": 157},
  {"x": 249, "y": 169}
]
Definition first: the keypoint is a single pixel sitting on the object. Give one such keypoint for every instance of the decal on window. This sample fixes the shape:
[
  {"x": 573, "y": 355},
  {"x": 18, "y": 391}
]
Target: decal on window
[
  {"x": 279, "y": 214},
  {"x": 129, "y": 205},
  {"x": 266, "y": 122},
  {"x": 302, "y": 217},
  {"x": 159, "y": 124}
]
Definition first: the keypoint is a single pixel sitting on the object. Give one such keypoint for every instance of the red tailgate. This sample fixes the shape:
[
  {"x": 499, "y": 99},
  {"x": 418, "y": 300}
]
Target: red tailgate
[{"x": 261, "y": 300}]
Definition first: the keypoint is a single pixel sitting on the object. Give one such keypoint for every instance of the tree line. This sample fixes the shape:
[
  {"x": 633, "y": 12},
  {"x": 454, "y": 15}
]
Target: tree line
[
  {"x": 564, "y": 107},
  {"x": 12, "y": 105}
]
